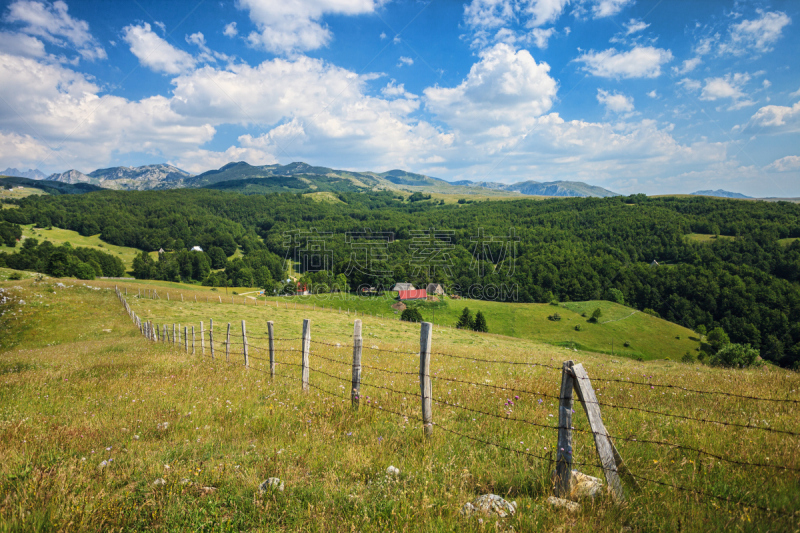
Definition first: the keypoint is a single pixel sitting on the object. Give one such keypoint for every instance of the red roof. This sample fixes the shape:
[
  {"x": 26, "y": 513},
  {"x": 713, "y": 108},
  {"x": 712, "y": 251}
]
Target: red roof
[{"x": 413, "y": 295}]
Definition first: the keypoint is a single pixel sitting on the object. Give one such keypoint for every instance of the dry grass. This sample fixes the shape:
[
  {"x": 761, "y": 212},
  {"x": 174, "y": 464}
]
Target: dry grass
[{"x": 79, "y": 385}]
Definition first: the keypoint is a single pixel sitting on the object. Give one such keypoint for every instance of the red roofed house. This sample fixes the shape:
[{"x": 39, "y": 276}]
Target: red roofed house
[{"x": 419, "y": 294}]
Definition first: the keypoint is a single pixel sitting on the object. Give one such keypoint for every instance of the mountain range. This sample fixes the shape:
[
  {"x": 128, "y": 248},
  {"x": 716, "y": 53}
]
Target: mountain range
[
  {"x": 31, "y": 173},
  {"x": 302, "y": 177}
]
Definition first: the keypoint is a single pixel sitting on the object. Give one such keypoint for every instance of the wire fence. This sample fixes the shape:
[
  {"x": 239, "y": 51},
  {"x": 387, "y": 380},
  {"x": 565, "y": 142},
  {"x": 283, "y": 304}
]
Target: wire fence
[{"x": 236, "y": 347}]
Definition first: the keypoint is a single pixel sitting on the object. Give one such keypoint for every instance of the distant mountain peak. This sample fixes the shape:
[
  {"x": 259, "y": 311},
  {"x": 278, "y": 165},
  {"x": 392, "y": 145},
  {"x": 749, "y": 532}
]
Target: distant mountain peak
[
  {"x": 719, "y": 193},
  {"x": 31, "y": 173},
  {"x": 551, "y": 188}
]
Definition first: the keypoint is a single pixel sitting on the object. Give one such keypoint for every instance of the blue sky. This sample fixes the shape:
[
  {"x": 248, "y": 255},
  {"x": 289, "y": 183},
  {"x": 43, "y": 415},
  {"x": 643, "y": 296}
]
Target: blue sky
[{"x": 645, "y": 96}]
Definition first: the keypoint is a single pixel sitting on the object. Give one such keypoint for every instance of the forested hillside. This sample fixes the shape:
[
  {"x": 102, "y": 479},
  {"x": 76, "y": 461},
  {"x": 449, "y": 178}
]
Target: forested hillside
[{"x": 568, "y": 249}]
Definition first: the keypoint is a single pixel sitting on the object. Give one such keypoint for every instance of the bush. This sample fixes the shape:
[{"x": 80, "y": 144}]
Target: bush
[
  {"x": 735, "y": 356},
  {"x": 480, "y": 323},
  {"x": 626, "y": 344},
  {"x": 15, "y": 276},
  {"x": 597, "y": 313},
  {"x": 411, "y": 314},
  {"x": 554, "y": 302},
  {"x": 688, "y": 358},
  {"x": 577, "y": 327},
  {"x": 651, "y": 312},
  {"x": 555, "y": 317}
]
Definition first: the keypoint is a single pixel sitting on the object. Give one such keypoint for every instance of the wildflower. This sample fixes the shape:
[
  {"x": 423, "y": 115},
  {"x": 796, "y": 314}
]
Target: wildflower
[{"x": 516, "y": 397}]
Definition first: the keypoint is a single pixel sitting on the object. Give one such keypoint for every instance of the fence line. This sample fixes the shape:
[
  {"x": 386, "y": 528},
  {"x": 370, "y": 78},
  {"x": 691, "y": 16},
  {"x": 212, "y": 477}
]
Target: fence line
[{"x": 151, "y": 332}]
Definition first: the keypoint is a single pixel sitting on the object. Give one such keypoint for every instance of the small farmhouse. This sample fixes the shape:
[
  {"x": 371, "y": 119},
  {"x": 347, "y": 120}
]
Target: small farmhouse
[
  {"x": 435, "y": 289},
  {"x": 415, "y": 294},
  {"x": 403, "y": 287}
]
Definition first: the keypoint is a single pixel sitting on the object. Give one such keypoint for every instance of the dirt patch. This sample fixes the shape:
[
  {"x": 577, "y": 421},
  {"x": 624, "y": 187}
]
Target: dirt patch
[{"x": 400, "y": 306}]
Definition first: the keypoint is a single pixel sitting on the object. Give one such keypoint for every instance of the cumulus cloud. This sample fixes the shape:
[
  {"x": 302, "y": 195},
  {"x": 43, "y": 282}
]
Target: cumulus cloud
[
  {"x": 64, "y": 109},
  {"x": 405, "y": 61},
  {"x": 19, "y": 44},
  {"x": 757, "y": 35},
  {"x": 775, "y": 119},
  {"x": 608, "y": 8},
  {"x": 639, "y": 62},
  {"x": 505, "y": 89},
  {"x": 717, "y": 88},
  {"x": 784, "y": 164},
  {"x": 687, "y": 66},
  {"x": 635, "y": 26},
  {"x": 230, "y": 30},
  {"x": 295, "y": 26},
  {"x": 541, "y": 12},
  {"x": 53, "y": 24},
  {"x": 615, "y": 102},
  {"x": 156, "y": 53},
  {"x": 541, "y": 36}
]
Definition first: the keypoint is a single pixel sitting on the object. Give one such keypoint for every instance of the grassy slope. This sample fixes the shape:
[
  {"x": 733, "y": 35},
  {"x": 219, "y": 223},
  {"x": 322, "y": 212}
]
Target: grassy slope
[
  {"x": 79, "y": 382},
  {"x": 706, "y": 238},
  {"x": 59, "y": 236},
  {"x": 649, "y": 337}
]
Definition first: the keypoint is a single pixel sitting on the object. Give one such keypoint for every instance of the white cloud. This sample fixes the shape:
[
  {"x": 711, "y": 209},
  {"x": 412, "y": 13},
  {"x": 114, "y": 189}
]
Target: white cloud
[
  {"x": 653, "y": 94},
  {"x": 543, "y": 12},
  {"x": 607, "y": 8},
  {"x": 635, "y": 26},
  {"x": 758, "y": 35},
  {"x": 489, "y": 13},
  {"x": 505, "y": 89},
  {"x": 640, "y": 62},
  {"x": 197, "y": 161},
  {"x": 688, "y": 65},
  {"x": 616, "y": 102},
  {"x": 295, "y": 26},
  {"x": 53, "y": 24},
  {"x": 156, "y": 53},
  {"x": 784, "y": 164},
  {"x": 20, "y": 44},
  {"x": 718, "y": 88},
  {"x": 230, "y": 30},
  {"x": 541, "y": 36},
  {"x": 392, "y": 90},
  {"x": 21, "y": 150},
  {"x": 382, "y": 35},
  {"x": 64, "y": 109},
  {"x": 795, "y": 94},
  {"x": 775, "y": 119},
  {"x": 405, "y": 61}
]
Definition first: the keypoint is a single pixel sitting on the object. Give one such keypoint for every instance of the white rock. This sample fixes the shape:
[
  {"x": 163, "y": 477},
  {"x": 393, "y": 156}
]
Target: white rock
[
  {"x": 160, "y": 481},
  {"x": 561, "y": 503},
  {"x": 489, "y": 504},
  {"x": 272, "y": 483},
  {"x": 584, "y": 487},
  {"x": 392, "y": 471}
]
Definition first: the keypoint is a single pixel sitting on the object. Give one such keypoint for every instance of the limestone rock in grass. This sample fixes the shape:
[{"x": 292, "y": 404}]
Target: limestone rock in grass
[
  {"x": 489, "y": 504},
  {"x": 392, "y": 471},
  {"x": 561, "y": 503},
  {"x": 186, "y": 481},
  {"x": 584, "y": 487},
  {"x": 208, "y": 490},
  {"x": 270, "y": 484},
  {"x": 160, "y": 481}
]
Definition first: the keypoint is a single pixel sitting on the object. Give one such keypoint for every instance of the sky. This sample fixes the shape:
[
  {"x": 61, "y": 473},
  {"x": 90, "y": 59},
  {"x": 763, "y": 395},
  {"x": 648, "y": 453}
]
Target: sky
[{"x": 637, "y": 96}]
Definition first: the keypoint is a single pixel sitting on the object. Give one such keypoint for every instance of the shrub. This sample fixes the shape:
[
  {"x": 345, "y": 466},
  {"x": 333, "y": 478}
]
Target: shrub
[
  {"x": 411, "y": 314},
  {"x": 15, "y": 276},
  {"x": 577, "y": 327},
  {"x": 554, "y": 302},
  {"x": 688, "y": 358},
  {"x": 597, "y": 313},
  {"x": 555, "y": 317},
  {"x": 626, "y": 344},
  {"x": 735, "y": 356},
  {"x": 480, "y": 323}
]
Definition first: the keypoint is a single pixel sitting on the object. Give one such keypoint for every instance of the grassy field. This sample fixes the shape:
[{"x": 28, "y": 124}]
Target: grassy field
[
  {"x": 92, "y": 415},
  {"x": 59, "y": 236},
  {"x": 789, "y": 241},
  {"x": 707, "y": 238},
  {"x": 647, "y": 337}
]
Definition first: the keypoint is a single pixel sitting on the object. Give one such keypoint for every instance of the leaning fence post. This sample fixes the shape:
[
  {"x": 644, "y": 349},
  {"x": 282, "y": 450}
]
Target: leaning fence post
[
  {"x": 563, "y": 474},
  {"x": 306, "y": 346},
  {"x": 202, "y": 340},
  {"x": 228, "y": 344},
  {"x": 244, "y": 346},
  {"x": 355, "y": 391},
  {"x": 426, "y": 390},
  {"x": 271, "y": 334},
  {"x": 211, "y": 336}
]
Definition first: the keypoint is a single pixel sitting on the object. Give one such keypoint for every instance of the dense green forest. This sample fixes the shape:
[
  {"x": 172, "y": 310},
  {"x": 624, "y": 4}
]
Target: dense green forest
[
  {"x": 747, "y": 281},
  {"x": 63, "y": 261}
]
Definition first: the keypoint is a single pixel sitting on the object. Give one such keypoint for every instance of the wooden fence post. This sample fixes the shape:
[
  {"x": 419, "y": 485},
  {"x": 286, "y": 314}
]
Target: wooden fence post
[
  {"x": 271, "y": 334},
  {"x": 355, "y": 391},
  {"x": 228, "y": 344},
  {"x": 185, "y": 339},
  {"x": 244, "y": 346},
  {"x": 179, "y": 336},
  {"x": 173, "y": 333},
  {"x": 605, "y": 449},
  {"x": 164, "y": 336},
  {"x": 202, "y": 340},
  {"x": 426, "y": 390},
  {"x": 220, "y": 298},
  {"x": 192, "y": 339},
  {"x": 305, "y": 347},
  {"x": 211, "y": 336},
  {"x": 167, "y": 296},
  {"x": 563, "y": 474}
]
